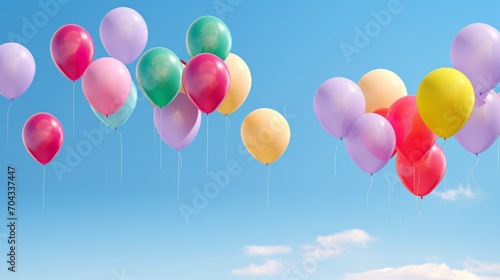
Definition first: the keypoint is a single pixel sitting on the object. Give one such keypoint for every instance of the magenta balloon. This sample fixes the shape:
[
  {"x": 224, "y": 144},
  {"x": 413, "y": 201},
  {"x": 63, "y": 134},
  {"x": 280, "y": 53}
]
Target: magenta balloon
[
  {"x": 370, "y": 142},
  {"x": 106, "y": 84},
  {"x": 337, "y": 104},
  {"x": 206, "y": 81},
  {"x": 17, "y": 70},
  {"x": 178, "y": 123},
  {"x": 124, "y": 34},
  {"x": 483, "y": 126},
  {"x": 475, "y": 51}
]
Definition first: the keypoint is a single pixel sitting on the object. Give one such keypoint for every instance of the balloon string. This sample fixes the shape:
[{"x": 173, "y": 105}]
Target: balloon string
[
  {"x": 471, "y": 174},
  {"x": 389, "y": 198},
  {"x": 335, "y": 163},
  {"x": 207, "y": 143},
  {"x": 369, "y": 188},
  {"x": 154, "y": 133},
  {"x": 179, "y": 167},
  {"x": 73, "y": 112},
  {"x": 43, "y": 189},
  {"x": 121, "y": 155},
  {"x": 399, "y": 209},
  {"x": 8, "y": 112},
  {"x": 107, "y": 157},
  {"x": 161, "y": 152},
  {"x": 421, "y": 226},
  {"x": 228, "y": 127},
  {"x": 268, "y": 179},
  {"x": 445, "y": 177}
]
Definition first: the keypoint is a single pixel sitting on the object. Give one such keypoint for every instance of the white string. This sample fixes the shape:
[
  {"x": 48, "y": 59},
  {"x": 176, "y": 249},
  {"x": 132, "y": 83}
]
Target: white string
[
  {"x": 335, "y": 163},
  {"x": 43, "y": 189},
  {"x": 8, "y": 112},
  {"x": 107, "y": 157},
  {"x": 228, "y": 127},
  {"x": 73, "y": 112},
  {"x": 389, "y": 198},
  {"x": 369, "y": 188},
  {"x": 121, "y": 155},
  {"x": 207, "y": 143},
  {"x": 268, "y": 178},
  {"x": 179, "y": 167},
  {"x": 399, "y": 209},
  {"x": 161, "y": 152},
  {"x": 471, "y": 174}
]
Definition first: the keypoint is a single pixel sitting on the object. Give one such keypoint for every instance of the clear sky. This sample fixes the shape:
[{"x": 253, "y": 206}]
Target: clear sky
[{"x": 319, "y": 224}]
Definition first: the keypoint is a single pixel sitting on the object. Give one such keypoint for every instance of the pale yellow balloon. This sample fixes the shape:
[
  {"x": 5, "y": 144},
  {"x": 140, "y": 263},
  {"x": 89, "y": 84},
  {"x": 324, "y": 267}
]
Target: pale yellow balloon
[
  {"x": 241, "y": 82},
  {"x": 265, "y": 134},
  {"x": 381, "y": 88}
]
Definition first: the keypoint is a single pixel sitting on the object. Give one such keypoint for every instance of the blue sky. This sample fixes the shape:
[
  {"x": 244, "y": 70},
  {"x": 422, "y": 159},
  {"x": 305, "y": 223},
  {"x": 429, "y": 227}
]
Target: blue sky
[{"x": 94, "y": 227}]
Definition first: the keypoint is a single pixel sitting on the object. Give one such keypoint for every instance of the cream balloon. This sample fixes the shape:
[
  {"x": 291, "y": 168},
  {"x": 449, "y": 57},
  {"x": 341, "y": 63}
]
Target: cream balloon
[
  {"x": 381, "y": 88},
  {"x": 241, "y": 82}
]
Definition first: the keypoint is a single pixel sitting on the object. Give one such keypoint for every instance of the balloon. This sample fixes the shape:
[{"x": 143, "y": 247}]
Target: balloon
[
  {"x": 121, "y": 116},
  {"x": 17, "y": 70},
  {"x": 124, "y": 34},
  {"x": 475, "y": 51},
  {"x": 381, "y": 88},
  {"x": 208, "y": 34},
  {"x": 72, "y": 50},
  {"x": 159, "y": 73},
  {"x": 265, "y": 134},
  {"x": 241, "y": 82},
  {"x": 370, "y": 142},
  {"x": 483, "y": 126},
  {"x": 445, "y": 99},
  {"x": 423, "y": 176},
  {"x": 383, "y": 112},
  {"x": 106, "y": 84},
  {"x": 178, "y": 123},
  {"x": 206, "y": 81},
  {"x": 337, "y": 104},
  {"x": 413, "y": 138},
  {"x": 43, "y": 137}
]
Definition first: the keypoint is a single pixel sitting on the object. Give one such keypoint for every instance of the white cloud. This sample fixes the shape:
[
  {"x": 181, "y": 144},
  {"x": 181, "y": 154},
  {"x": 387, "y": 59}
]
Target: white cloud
[
  {"x": 267, "y": 250},
  {"x": 269, "y": 267},
  {"x": 454, "y": 194},
  {"x": 429, "y": 271},
  {"x": 482, "y": 267},
  {"x": 332, "y": 245}
]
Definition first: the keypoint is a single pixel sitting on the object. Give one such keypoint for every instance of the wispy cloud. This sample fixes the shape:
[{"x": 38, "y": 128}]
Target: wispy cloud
[
  {"x": 429, "y": 271},
  {"x": 268, "y": 268},
  {"x": 332, "y": 245},
  {"x": 254, "y": 250},
  {"x": 454, "y": 194},
  {"x": 481, "y": 267}
]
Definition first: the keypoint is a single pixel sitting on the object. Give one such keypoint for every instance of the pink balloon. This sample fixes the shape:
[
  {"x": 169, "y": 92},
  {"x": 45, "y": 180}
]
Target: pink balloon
[
  {"x": 370, "y": 142},
  {"x": 206, "y": 81},
  {"x": 106, "y": 84},
  {"x": 178, "y": 123},
  {"x": 43, "y": 137}
]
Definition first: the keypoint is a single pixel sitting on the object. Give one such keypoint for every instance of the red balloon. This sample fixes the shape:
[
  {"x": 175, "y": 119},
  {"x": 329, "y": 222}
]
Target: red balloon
[
  {"x": 383, "y": 112},
  {"x": 422, "y": 177},
  {"x": 413, "y": 138},
  {"x": 43, "y": 137},
  {"x": 72, "y": 50},
  {"x": 206, "y": 81}
]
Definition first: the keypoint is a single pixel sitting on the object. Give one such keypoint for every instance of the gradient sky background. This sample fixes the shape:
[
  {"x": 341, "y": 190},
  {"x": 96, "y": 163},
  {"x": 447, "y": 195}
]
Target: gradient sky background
[{"x": 91, "y": 229}]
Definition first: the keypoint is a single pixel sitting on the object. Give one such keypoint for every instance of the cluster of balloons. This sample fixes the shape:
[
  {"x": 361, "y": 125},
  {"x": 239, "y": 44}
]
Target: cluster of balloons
[{"x": 378, "y": 119}]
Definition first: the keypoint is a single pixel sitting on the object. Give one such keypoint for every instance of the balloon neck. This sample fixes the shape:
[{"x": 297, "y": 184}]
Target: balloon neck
[
  {"x": 107, "y": 115},
  {"x": 12, "y": 99},
  {"x": 183, "y": 62},
  {"x": 421, "y": 197},
  {"x": 116, "y": 128},
  {"x": 444, "y": 138},
  {"x": 267, "y": 164},
  {"x": 477, "y": 155},
  {"x": 341, "y": 138}
]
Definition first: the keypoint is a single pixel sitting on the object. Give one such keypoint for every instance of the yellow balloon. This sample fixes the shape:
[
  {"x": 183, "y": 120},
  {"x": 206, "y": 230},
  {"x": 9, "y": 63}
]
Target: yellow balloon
[
  {"x": 381, "y": 88},
  {"x": 445, "y": 99},
  {"x": 265, "y": 134},
  {"x": 241, "y": 82}
]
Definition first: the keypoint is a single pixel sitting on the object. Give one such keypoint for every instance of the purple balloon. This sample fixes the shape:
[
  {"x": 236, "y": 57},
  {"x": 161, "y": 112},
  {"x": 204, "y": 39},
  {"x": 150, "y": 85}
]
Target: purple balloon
[
  {"x": 483, "y": 126},
  {"x": 124, "y": 34},
  {"x": 178, "y": 123},
  {"x": 337, "y": 104},
  {"x": 370, "y": 142},
  {"x": 475, "y": 51},
  {"x": 17, "y": 70}
]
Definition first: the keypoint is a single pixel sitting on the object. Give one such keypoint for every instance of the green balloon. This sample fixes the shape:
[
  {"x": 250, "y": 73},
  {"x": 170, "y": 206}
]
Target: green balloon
[
  {"x": 208, "y": 34},
  {"x": 159, "y": 74}
]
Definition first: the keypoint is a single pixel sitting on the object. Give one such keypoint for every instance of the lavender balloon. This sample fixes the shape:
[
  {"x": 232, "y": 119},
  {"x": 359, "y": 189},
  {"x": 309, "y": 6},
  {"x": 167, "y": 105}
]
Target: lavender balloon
[
  {"x": 483, "y": 126},
  {"x": 17, "y": 70},
  {"x": 124, "y": 34},
  {"x": 475, "y": 51},
  {"x": 337, "y": 103},
  {"x": 178, "y": 123},
  {"x": 370, "y": 142}
]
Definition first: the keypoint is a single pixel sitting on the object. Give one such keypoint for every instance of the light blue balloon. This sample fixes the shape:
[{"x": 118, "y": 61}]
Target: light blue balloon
[{"x": 118, "y": 118}]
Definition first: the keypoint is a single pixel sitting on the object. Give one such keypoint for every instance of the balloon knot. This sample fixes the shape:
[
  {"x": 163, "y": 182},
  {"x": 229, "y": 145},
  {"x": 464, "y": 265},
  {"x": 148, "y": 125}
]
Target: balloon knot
[
  {"x": 341, "y": 139},
  {"x": 267, "y": 164},
  {"x": 421, "y": 197},
  {"x": 12, "y": 99},
  {"x": 477, "y": 155},
  {"x": 116, "y": 128},
  {"x": 106, "y": 115},
  {"x": 444, "y": 138}
]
